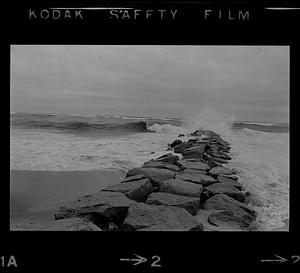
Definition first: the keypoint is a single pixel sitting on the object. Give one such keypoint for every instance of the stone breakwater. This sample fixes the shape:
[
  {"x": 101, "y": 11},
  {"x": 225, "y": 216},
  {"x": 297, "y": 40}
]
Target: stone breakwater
[{"x": 191, "y": 191}]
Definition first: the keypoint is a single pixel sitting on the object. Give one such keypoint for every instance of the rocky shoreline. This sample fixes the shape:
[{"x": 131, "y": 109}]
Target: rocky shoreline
[{"x": 191, "y": 191}]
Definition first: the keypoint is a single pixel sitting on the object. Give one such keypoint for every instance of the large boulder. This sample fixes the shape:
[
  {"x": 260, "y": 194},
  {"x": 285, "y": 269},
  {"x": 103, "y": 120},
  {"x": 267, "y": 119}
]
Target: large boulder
[
  {"x": 181, "y": 147},
  {"x": 219, "y": 160},
  {"x": 195, "y": 151},
  {"x": 133, "y": 178},
  {"x": 224, "y": 179},
  {"x": 161, "y": 165},
  {"x": 221, "y": 171},
  {"x": 221, "y": 156},
  {"x": 216, "y": 220},
  {"x": 181, "y": 187},
  {"x": 227, "y": 176},
  {"x": 136, "y": 190},
  {"x": 205, "y": 133},
  {"x": 226, "y": 220},
  {"x": 71, "y": 224},
  {"x": 228, "y": 189},
  {"x": 193, "y": 171},
  {"x": 175, "y": 142},
  {"x": 104, "y": 206},
  {"x": 204, "y": 180},
  {"x": 188, "y": 164},
  {"x": 169, "y": 158},
  {"x": 157, "y": 176},
  {"x": 238, "y": 209},
  {"x": 144, "y": 217},
  {"x": 191, "y": 204}
]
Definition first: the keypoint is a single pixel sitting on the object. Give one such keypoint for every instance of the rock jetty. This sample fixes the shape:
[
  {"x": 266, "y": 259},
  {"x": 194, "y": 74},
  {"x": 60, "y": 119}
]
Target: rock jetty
[{"x": 190, "y": 189}]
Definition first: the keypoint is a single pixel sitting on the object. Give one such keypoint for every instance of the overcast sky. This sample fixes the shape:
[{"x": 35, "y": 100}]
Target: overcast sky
[{"x": 250, "y": 83}]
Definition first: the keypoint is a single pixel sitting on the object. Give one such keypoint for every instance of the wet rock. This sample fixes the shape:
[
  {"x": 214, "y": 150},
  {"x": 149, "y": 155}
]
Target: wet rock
[
  {"x": 157, "y": 176},
  {"x": 195, "y": 151},
  {"x": 221, "y": 156},
  {"x": 212, "y": 220},
  {"x": 193, "y": 171},
  {"x": 70, "y": 224},
  {"x": 133, "y": 178},
  {"x": 226, "y": 220},
  {"x": 181, "y": 147},
  {"x": 144, "y": 217},
  {"x": 220, "y": 160},
  {"x": 175, "y": 142},
  {"x": 228, "y": 189},
  {"x": 224, "y": 202},
  {"x": 204, "y": 180},
  {"x": 191, "y": 204},
  {"x": 224, "y": 179},
  {"x": 103, "y": 207},
  {"x": 161, "y": 165},
  {"x": 205, "y": 133},
  {"x": 135, "y": 190},
  {"x": 169, "y": 158},
  {"x": 229, "y": 176},
  {"x": 221, "y": 171},
  {"x": 187, "y": 164},
  {"x": 181, "y": 187}
]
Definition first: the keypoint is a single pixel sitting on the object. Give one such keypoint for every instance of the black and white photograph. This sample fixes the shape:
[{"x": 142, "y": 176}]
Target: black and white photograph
[{"x": 149, "y": 138}]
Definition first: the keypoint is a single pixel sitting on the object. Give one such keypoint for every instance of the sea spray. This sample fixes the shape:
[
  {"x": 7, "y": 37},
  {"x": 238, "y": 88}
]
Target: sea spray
[
  {"x": 209, "y": 119},
  {"x": 262, "y": 160}
]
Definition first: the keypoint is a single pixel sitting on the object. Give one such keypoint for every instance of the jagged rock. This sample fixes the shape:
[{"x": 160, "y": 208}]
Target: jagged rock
[
  {"x": 187, "y": 164},
  {"x": 221, "y": 156},
  {"x": 104, "y": 206},
  {"x": 169, "y": 158},
  {"x": 144, "y": 217},
  {"x": 193, "y": 171},
  {"x": 70, "y": 224},
  {"x": 206, "y": 133},
  {"x": 204, "y": 180},
  {"x": 212, "y": 222},
  {"x": 133, "y": 178},
  {"x": 175, "y": 142},
  {"x": 181, "y": 187},
  {"x": 224, "y": 179},
  {"x": 191, "y": 204},
  {"x": 161, "y": 165},
  {"x": 157, "y": 176},
  {"x": 195, "y": 151},
  {"x": 228, "y": 189},
  {"x": 181, "y": 147},
  {"x": 219, "y": 160},
  {"x": 224, "y": 202},
  {"x": 226, "y": 220},
  {"x": 221, "y": 171},
  {"x": 229, "y": 176},
  {"x": 135, "y": 190}
]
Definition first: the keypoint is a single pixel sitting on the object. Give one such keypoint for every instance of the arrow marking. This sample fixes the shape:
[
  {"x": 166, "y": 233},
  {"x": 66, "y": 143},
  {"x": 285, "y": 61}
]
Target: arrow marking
[
  {"x": 279, "y": 260},
  {"x": 137, "y": 261}
]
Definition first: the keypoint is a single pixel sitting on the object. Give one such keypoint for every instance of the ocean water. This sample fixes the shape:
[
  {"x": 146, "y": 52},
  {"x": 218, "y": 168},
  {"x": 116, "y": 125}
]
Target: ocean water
[{"x": 56, "y": 142}]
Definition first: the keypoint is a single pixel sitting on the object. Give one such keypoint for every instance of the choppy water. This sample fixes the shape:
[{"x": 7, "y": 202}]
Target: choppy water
[{"x": 260, "y": 151}]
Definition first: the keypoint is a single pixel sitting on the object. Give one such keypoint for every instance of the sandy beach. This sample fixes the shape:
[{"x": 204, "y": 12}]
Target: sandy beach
[{"x": 36, "y": 195}]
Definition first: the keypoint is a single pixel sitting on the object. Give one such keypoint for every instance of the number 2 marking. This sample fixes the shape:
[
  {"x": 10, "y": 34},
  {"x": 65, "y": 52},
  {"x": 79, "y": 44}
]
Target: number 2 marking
[
  {"x": 154, "y": 263},
  {"x": 295, "y": 259}
]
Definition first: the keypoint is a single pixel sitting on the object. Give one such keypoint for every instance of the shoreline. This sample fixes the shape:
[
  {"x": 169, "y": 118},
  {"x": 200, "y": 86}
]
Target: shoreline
[
  {"x": 208, "y": 190},
  {"x": 36, "y": 195}
]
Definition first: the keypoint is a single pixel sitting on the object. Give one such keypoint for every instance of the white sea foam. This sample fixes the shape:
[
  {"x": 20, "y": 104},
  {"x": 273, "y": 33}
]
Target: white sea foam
[{"x": 261, "y": 158}]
